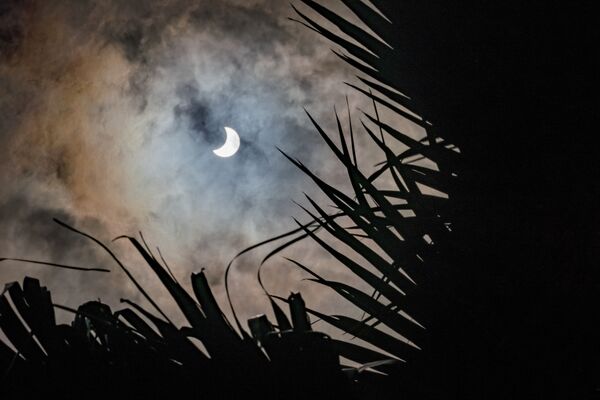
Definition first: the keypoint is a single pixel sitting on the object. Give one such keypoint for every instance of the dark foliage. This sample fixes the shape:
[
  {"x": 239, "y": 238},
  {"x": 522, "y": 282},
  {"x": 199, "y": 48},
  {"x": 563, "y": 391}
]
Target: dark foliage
[
  {"x": 133, "y": 353},
  {"x": 512, "y": 314}
]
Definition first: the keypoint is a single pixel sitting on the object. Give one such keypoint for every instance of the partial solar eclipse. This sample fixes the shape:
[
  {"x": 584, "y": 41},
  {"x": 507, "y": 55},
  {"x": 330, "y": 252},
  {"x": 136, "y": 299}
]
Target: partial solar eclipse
[{"x": 231, "y": 145}]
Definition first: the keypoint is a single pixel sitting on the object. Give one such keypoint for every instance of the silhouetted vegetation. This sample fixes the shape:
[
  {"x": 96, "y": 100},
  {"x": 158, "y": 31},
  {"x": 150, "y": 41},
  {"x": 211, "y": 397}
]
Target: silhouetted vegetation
[{"x": 132, "y": 352}]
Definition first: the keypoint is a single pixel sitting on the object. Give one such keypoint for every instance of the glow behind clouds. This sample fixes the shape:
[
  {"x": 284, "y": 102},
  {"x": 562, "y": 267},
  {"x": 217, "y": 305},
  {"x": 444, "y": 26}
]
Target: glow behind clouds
[{"x": 109, "y": 111}]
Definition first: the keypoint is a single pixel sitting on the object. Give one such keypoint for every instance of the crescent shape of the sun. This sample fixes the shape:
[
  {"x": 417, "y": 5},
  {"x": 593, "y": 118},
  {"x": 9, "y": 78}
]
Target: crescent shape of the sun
[{"x": 231, "y": 145}]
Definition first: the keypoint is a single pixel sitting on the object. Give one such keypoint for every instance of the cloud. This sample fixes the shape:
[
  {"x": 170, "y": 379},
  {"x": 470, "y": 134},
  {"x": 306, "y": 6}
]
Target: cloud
[{"x": 109, "y": 111}]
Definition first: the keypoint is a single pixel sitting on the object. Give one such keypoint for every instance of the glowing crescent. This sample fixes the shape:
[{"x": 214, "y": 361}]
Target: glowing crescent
[{"x": 231, "y": 145}]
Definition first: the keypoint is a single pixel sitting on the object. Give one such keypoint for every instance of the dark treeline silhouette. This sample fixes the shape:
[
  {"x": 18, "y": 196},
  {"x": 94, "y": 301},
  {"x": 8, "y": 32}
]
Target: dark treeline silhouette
[{"x": 131, "y": 353}]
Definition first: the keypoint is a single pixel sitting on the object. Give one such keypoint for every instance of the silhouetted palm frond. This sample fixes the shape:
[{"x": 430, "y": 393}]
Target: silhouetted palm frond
[
  {"x": 404, "y": 224},
  {"x": 134, "y": 350}
]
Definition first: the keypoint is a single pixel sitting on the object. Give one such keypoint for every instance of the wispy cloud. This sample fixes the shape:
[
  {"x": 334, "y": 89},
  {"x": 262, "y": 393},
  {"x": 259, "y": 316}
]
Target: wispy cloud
[{"x": 109, "y": 111}]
